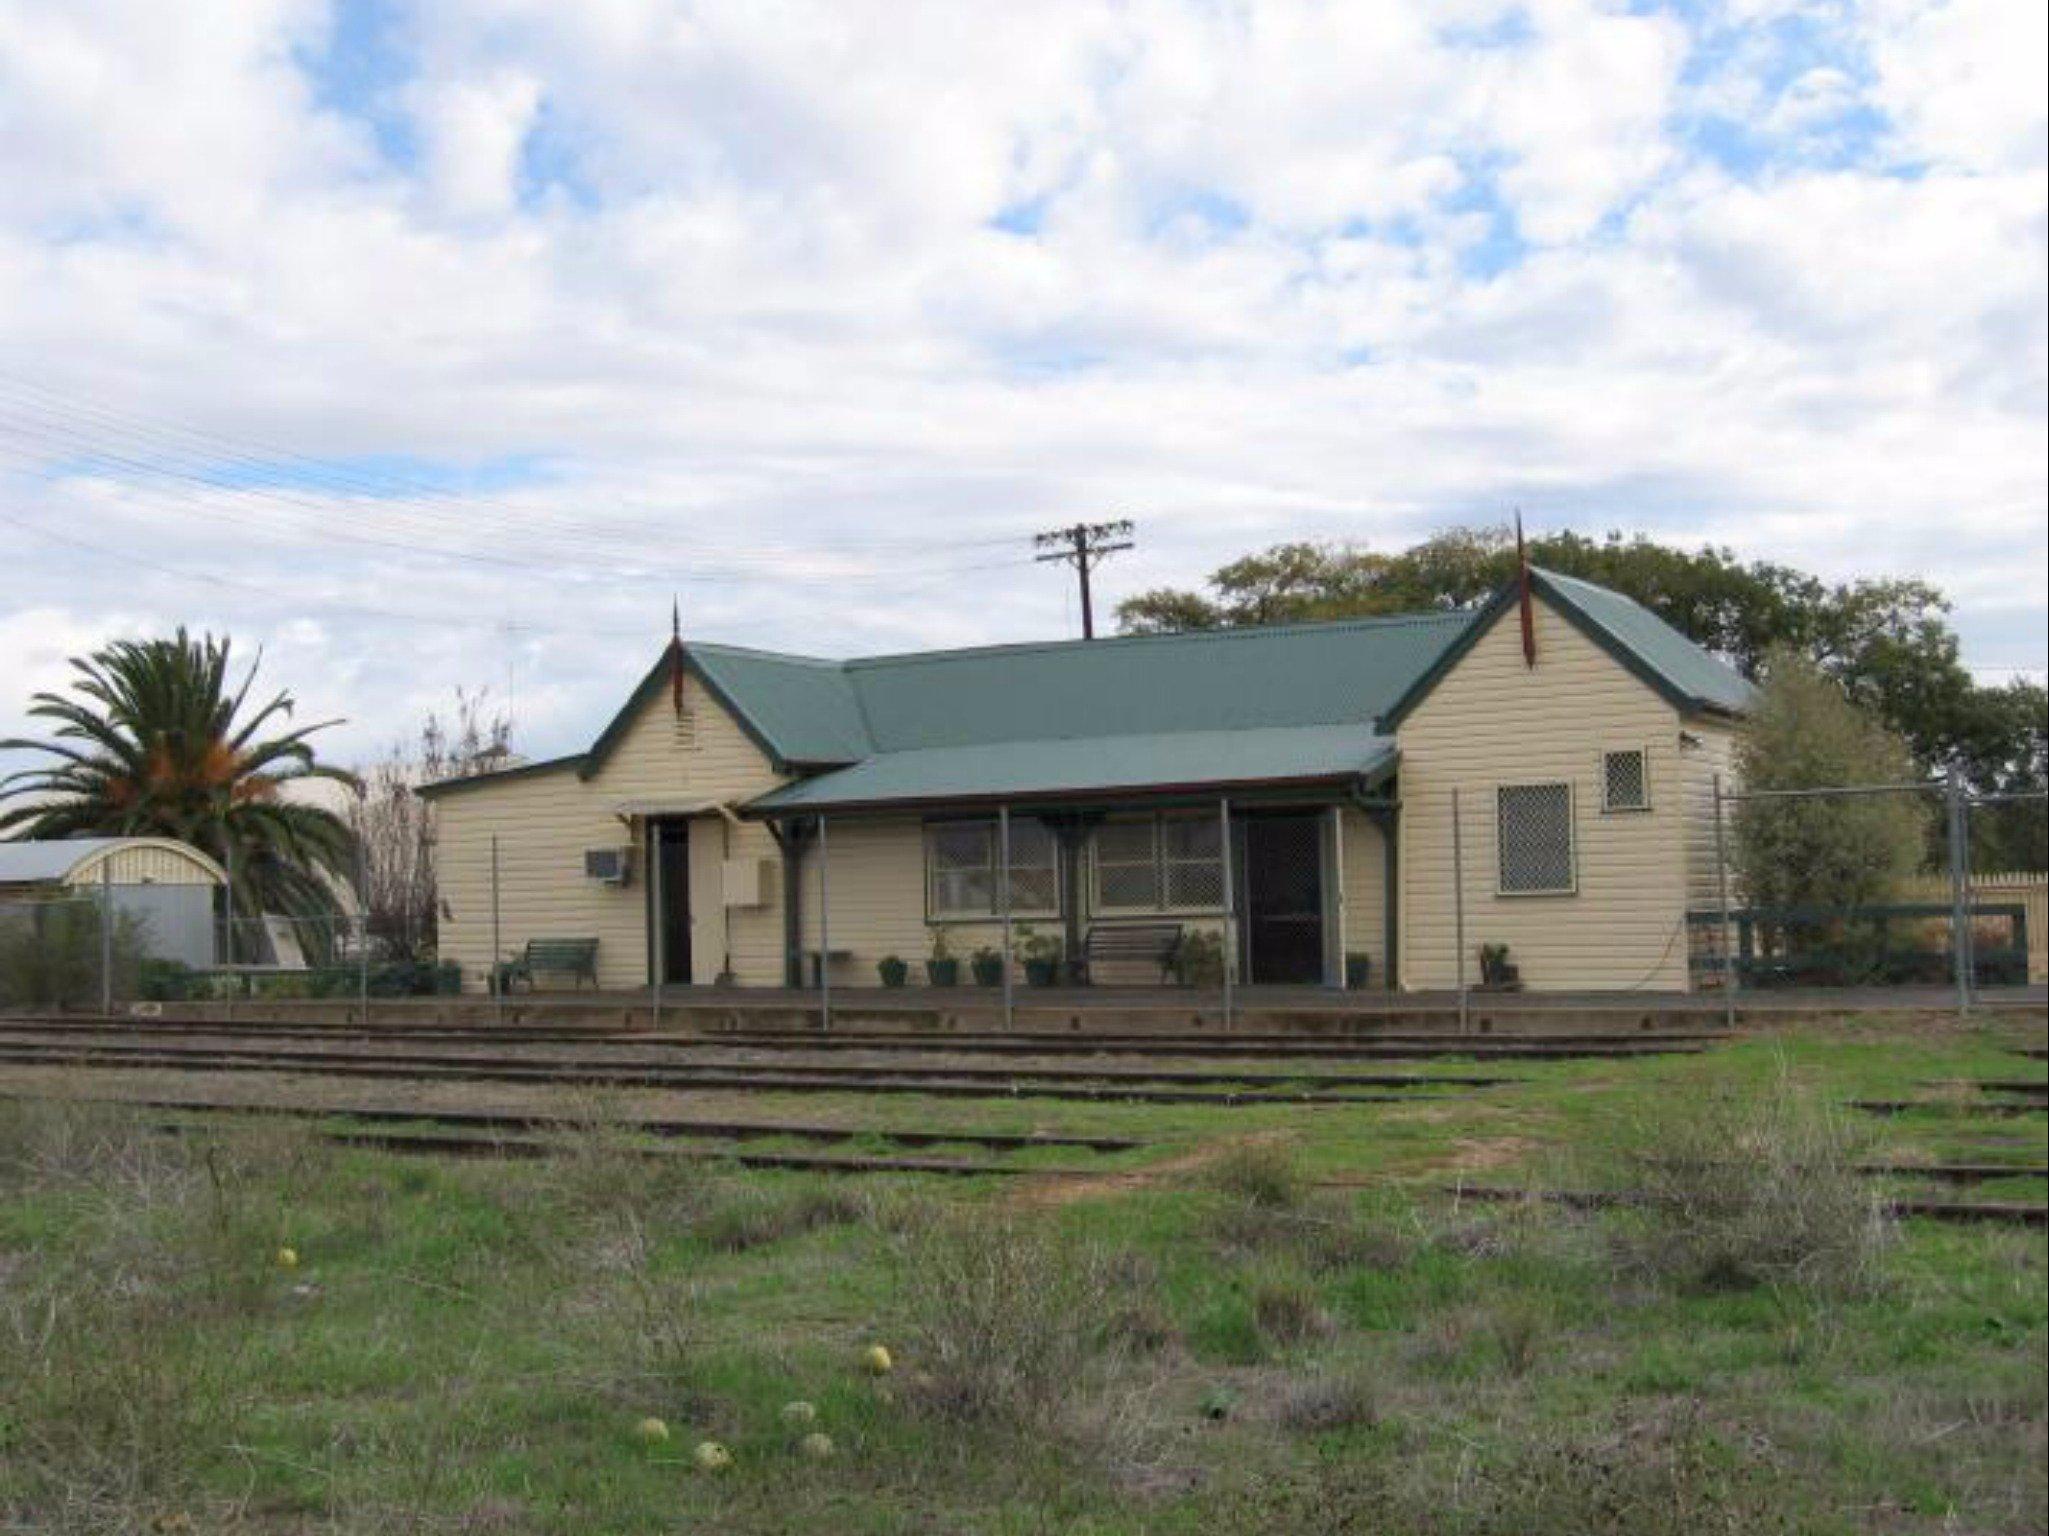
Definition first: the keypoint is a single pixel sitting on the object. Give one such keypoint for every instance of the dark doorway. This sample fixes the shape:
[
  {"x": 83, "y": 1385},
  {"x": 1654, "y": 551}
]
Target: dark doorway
[
  {"x": 1283, "y": 897},
  {"x": 669, "y": 894}
]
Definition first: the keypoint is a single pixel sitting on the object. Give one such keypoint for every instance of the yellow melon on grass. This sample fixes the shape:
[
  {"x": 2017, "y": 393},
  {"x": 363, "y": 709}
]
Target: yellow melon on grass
[
  {"x": 799, "y": 1413},
  {"x": 651, "y": 1431},
  {"x": 710, "y": 1456},
  {"x": 288, "y": 1258},
  {"x": 876, "y": 1360},
  {"x": 818, "y": 1446}
]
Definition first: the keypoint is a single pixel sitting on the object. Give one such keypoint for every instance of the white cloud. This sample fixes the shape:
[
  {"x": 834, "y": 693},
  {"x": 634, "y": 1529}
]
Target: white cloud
[
  {"x": 474, "y": 131},
  {"x": 778, "y": 352}
]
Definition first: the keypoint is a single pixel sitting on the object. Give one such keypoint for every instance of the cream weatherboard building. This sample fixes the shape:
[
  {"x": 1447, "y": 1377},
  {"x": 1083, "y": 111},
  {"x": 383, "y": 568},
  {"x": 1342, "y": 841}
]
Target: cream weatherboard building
[{"x": 1284, "y": 794}]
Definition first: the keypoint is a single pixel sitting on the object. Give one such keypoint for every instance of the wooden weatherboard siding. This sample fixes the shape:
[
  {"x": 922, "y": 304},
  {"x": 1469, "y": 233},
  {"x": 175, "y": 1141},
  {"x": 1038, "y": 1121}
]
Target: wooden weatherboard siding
[
  {"x": 1492, "y": 721},
  {"x": 1363, "y": 856},
  {"x": 544, "y": 822}
]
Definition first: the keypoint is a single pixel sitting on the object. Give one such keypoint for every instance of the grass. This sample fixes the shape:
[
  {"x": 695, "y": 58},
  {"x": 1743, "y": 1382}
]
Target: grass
[{"x": 1235, "y": 1345}]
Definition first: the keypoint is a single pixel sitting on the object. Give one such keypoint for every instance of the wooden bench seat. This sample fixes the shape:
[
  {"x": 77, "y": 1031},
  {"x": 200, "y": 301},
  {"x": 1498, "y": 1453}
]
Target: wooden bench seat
[
  {"x": 1153, "y": 946},
  {"x": 566, "y": 957}
]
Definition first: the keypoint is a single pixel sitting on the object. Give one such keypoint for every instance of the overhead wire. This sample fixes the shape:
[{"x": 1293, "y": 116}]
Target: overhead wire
[
  {"x": 50, "y": 409},
  {"x": 245, "y": 506}
]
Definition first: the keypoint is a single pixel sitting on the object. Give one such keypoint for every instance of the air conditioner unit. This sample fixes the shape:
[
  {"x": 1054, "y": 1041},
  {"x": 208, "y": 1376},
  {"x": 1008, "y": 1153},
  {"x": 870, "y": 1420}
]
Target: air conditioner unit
[{"x": 612, "y": 866}]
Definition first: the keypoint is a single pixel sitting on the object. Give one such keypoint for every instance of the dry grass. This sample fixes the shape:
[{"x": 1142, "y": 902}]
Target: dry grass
[
  {"x": 1758, "y": 1187},
  {"x": 1008, "y": 1321}
]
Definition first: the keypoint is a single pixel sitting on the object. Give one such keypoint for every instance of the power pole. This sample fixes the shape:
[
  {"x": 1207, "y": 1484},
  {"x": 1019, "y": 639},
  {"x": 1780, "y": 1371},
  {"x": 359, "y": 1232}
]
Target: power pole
[{"x": 1085, "y": 546}]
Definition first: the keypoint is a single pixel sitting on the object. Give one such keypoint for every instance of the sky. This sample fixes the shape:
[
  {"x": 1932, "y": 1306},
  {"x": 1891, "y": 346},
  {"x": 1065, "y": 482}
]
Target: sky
[{"x": 444, "y": 345}]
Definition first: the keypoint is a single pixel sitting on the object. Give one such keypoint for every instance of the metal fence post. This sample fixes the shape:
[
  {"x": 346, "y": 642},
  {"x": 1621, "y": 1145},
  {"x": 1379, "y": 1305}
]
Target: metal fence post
[
  {"x": 1003, "y": 889},
  {"x": 362, "y": 936},
  {"x": 1458, "y": 905},
  {"x": 1959, "y": 919},
  {"x": 107, "y": 936},
  {"x": 496, "y": 973},
  {"x": 1731, "y": 973},
  {"x": 659, "y": 894},
  {"x": 1230, "y": 905},
  {"x": 228, "y": 910},
  {"x": 824, "y": 933},
  {"x": 1964, "y": 880}
]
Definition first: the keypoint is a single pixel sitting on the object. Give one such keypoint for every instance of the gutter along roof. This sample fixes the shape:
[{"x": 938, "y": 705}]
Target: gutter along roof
[{"x": 1280, "y": 704}]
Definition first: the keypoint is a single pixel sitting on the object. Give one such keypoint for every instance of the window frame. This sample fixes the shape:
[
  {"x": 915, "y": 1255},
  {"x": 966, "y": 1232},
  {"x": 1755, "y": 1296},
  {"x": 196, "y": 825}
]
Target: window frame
[
  {"x": 990, "y": 828},
  {"x": 1571, "y": 888},
  {"x": 1155, "y": 823},
  {"x": 1608, "y": 806}
]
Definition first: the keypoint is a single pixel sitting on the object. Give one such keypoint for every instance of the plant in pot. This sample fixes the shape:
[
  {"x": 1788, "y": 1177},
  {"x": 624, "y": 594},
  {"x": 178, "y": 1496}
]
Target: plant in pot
[
  {"x": 987, "y": 966},
  {"x": 1199, "y": 958},
  {"x": 1041, "y": 953},
  {"x": 1498, "y": 973},
  {"x": 942, "y": 970},
  {"x": 893, "y": 970}
]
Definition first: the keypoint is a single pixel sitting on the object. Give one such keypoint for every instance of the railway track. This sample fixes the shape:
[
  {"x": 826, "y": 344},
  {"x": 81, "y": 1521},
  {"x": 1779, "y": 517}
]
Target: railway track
[
  {"x": 661, "y": 1126},
  {"x": 1392, "y": 1046},
  {"x": 1998, "y": 1212},
  {"x": 488, "y": 1137},
  {"x": 937, "y": 1082},
  {"x": 1305, "y": 1077}
]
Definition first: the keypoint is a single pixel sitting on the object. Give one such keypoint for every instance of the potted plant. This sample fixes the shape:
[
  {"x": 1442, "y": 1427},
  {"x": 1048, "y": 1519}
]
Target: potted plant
[
  {"x": 1358, "y": 971},
  {"x": 987, "y": 966},
  {"x": 942, "y": 970},
  {"x": 1041, "y": 953},
  {"x": 893, "y": 970},
  {"x": 1199, "y": 958},
  {"x": 1498, "y": 973}
]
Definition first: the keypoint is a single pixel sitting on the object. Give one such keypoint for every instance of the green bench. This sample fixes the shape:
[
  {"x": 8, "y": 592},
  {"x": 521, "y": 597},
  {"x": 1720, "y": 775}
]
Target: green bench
[{"x": 571, "y": 957}]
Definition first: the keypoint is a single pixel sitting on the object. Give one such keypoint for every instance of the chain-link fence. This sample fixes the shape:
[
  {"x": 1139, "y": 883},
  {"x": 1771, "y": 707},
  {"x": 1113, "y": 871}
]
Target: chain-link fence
[
  {"x": 1878, "y": 886},
  {"x": 1187, "y": 913},
  {"x": 1607, "y": 887}
]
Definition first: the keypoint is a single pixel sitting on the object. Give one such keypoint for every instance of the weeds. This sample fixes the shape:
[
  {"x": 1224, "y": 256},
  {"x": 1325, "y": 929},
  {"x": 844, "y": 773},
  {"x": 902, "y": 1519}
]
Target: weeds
[
  {"x": 1327, "y": 1402},
  {"x": 1266, "y": 1175},
  {"x": 1756, "y": 1188},
  {"x": 1007, "y": 1320},
  {"x": 753, "y": 1215},
  {"x": 1287, "y": 1311}
]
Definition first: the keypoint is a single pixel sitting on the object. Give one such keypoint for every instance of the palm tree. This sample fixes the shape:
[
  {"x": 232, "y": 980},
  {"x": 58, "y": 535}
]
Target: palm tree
[{"x": 151, "y": 742}]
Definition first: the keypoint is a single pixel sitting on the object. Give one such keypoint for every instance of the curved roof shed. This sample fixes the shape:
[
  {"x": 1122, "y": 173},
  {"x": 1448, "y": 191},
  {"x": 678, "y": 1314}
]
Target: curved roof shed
[{"x": 125, "y": 861}]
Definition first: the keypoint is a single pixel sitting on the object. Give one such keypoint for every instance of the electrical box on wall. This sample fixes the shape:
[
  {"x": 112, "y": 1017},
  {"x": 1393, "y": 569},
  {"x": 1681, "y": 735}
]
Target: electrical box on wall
[{"x": 748, "y": 882}]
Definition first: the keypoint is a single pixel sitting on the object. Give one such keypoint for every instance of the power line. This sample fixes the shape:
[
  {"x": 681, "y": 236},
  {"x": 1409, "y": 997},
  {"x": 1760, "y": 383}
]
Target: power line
[
  {"x": 142, "y": 446},
  {"x": 1085, "y": 546}
]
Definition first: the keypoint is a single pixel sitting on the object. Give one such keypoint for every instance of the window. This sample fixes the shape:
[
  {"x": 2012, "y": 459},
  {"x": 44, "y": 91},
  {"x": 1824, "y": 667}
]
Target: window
[
  {"x": 1159, "y": 863},
  {"x": 1128, "y": 866},
  {"x": 961, "y": 861},
  {"x": 1534, "y": 822},
  {"x": 1625, "y": 781}
]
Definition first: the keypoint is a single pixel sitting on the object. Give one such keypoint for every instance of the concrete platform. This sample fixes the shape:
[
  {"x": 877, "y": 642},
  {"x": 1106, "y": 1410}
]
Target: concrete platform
[{"x": 1106, "y": 1010}]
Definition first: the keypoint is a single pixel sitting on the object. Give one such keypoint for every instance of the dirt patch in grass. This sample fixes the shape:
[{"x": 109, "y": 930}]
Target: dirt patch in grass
[
  {"x": 1051, "y": 1193},
  {"x": 1477, "y": 1153}
]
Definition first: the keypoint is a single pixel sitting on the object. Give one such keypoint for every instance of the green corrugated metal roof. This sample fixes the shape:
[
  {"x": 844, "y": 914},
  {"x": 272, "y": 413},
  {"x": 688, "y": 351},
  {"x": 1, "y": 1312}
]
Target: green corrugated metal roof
[
  {"x": 1702, "y": 678},
  {"x": 1209, "y": 680},
  {"x": 1167, "y": 692},
  {"x": 801, "y": 704},
  {"x": 1104, "y": 765}
]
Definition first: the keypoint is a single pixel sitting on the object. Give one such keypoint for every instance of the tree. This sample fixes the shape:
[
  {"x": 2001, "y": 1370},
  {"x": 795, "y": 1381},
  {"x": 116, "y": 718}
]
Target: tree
[
  {"x": 395, "y": 828},
  {"x": 151, "y": 741},
  {"x": 1888, "y": 643},
  {"x": 1823, "y": 851}
]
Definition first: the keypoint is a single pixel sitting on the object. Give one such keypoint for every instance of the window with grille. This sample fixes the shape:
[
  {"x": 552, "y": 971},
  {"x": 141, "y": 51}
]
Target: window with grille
[
  {"x": 1534, "y": 823},
  {"x": 962, "y": 860},
  {"x": 1625, "y": 781},
  {"x": 1159, "y": 864}
]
